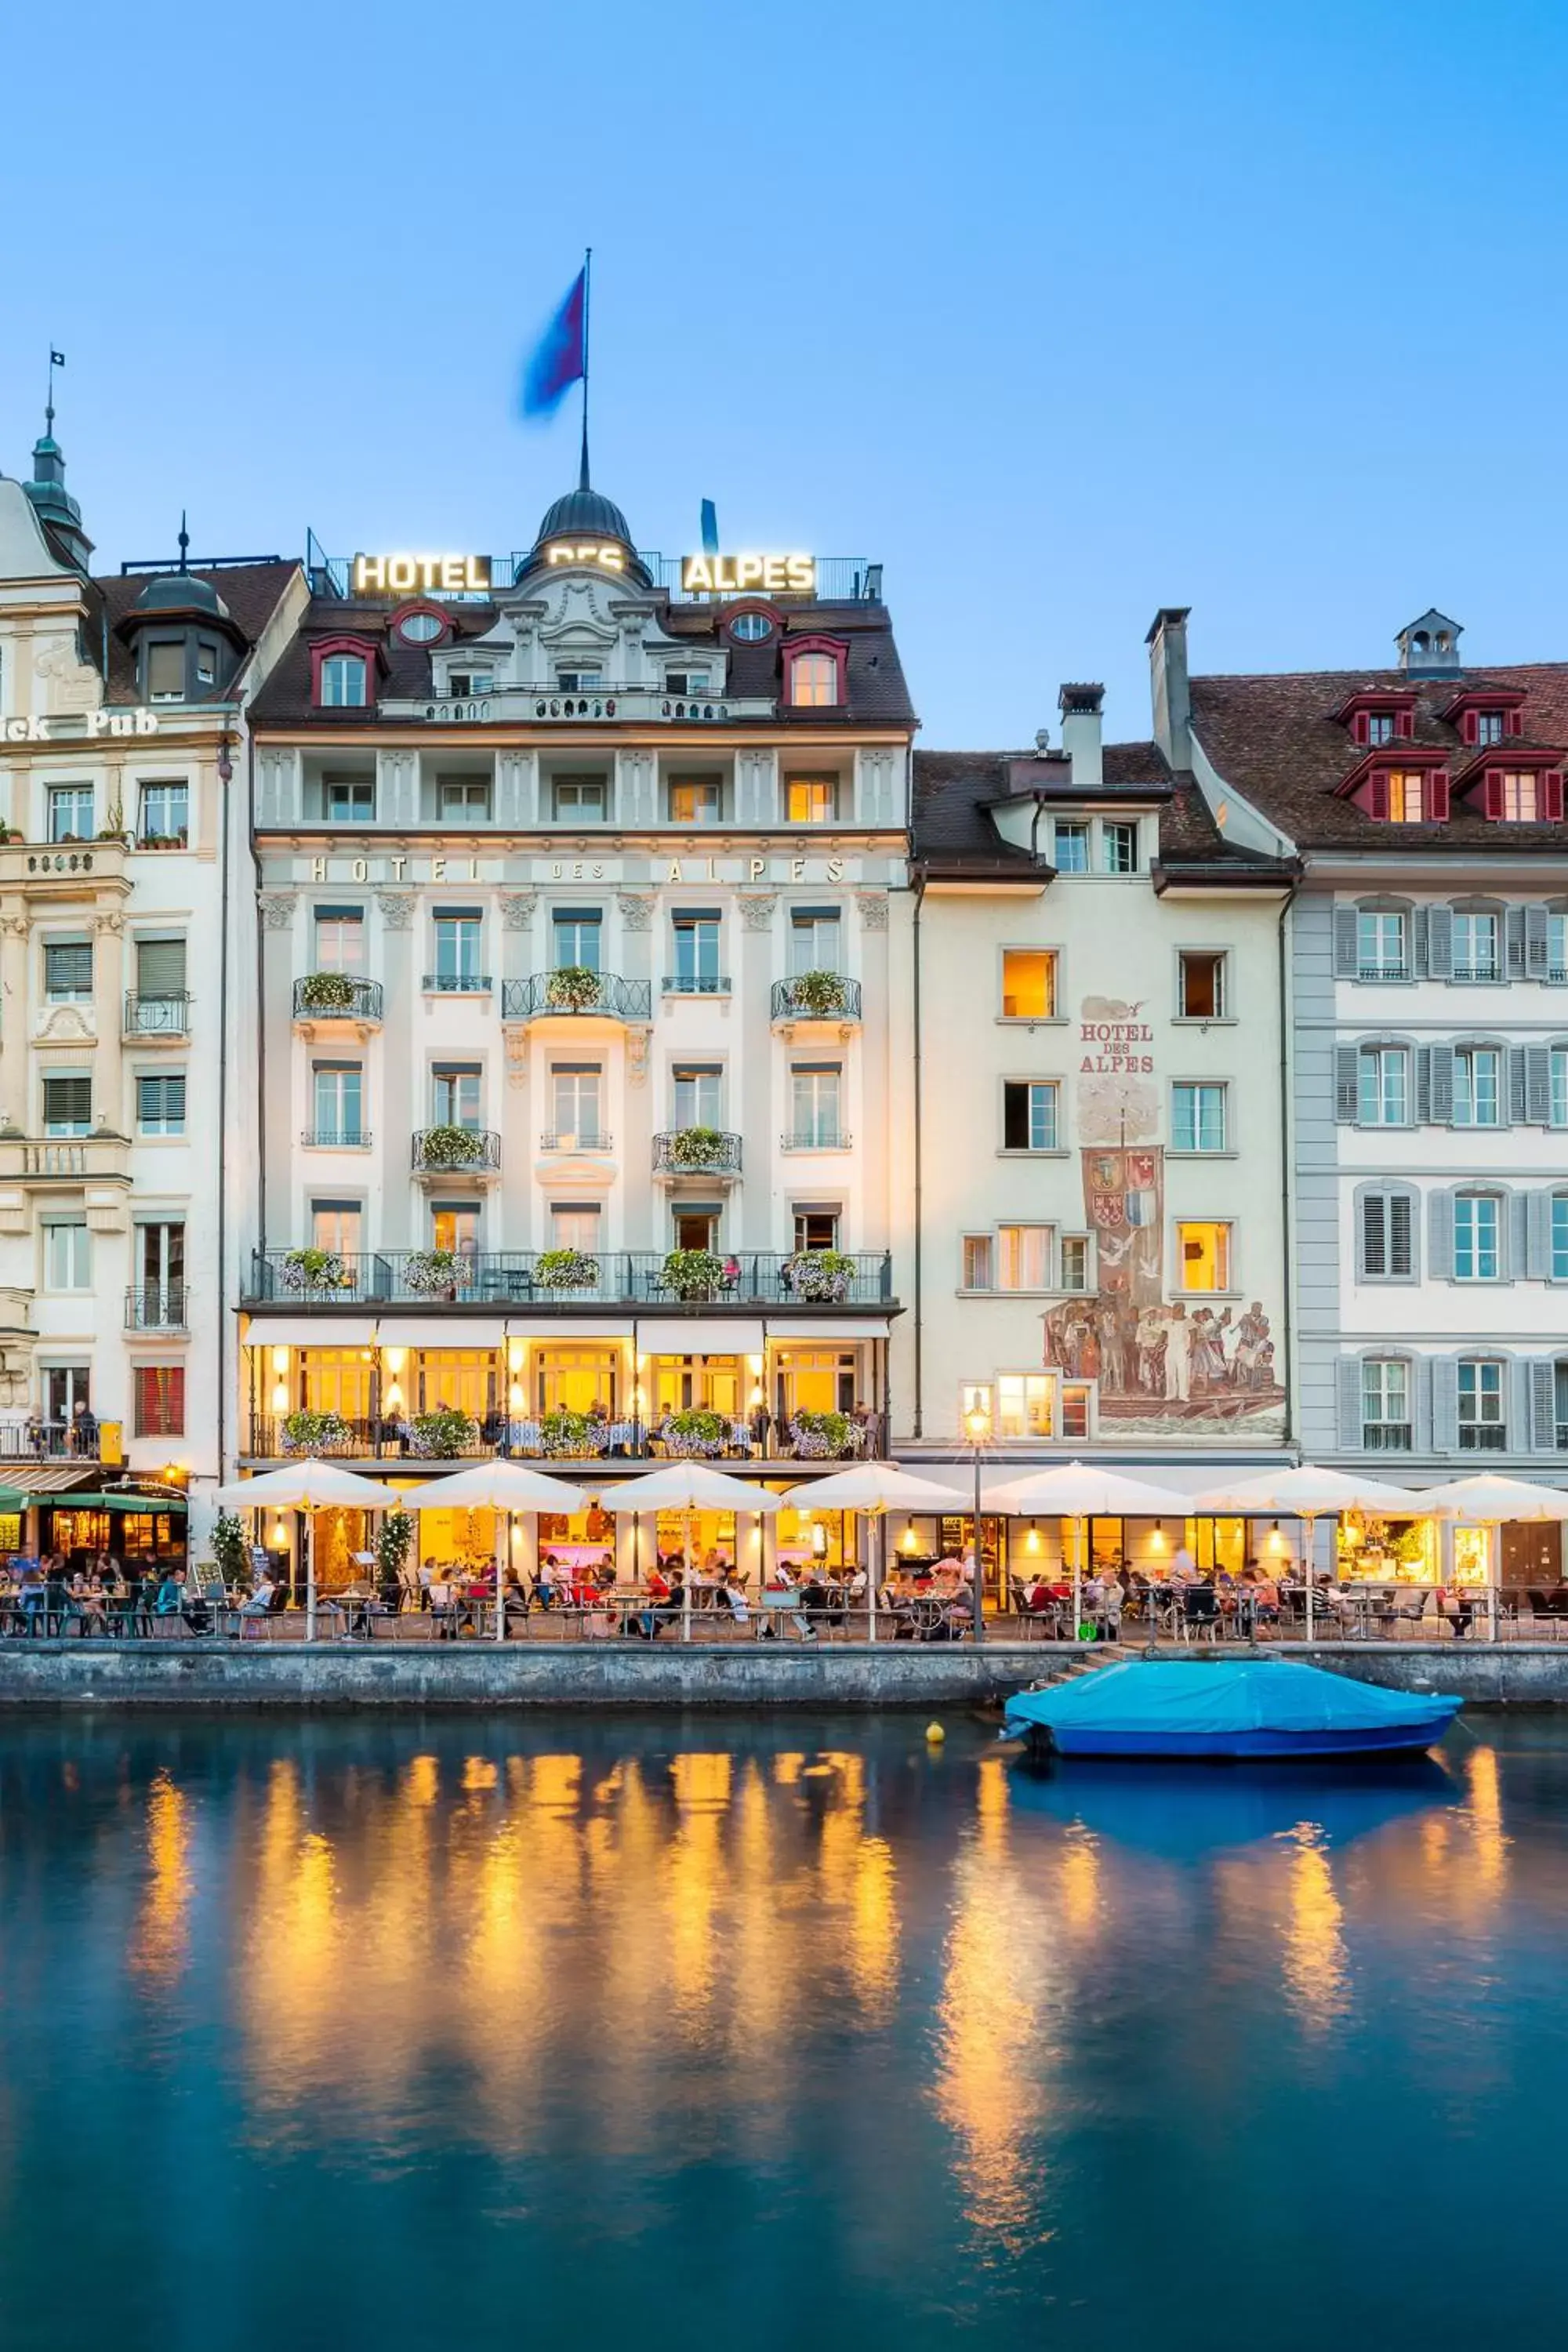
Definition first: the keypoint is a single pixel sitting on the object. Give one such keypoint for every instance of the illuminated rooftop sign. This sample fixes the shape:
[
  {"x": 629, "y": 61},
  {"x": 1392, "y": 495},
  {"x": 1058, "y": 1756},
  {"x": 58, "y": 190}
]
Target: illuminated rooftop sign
[
  {"x": 407, "y": 575},
  {"x": 748, "y": 575}
]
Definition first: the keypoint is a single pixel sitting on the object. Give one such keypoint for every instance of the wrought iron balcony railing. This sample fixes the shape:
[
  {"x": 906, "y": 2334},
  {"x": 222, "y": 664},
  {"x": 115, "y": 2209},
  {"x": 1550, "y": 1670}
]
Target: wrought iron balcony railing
[
  {"x": 817, "y": 996},
  {"x": 167, "y": 1015},
  {"x": 337, "y": 996},
  {"x": 458, "y": 983},
  {"x": 156, "y": 1307},
  {"x": 697, "y": 1151},
  {"x": 576, "y": 1139},
  {"x": 336, "y": 1139},
  {"x": 804, "y": 1279},
  {"x": 696, "y": 983},
  {"x": 456, "y": 1150},
  {"x": 551, "y": 995}
]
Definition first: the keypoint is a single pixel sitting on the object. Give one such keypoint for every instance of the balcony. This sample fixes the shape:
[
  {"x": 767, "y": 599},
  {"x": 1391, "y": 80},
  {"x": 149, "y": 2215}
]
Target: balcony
[
  {"x": 488, "y": 1279},
  {"x": 569, "y": 1139},
  {"x": 325, "y": 1001},
  {"x": 577, "y": 994},
  {"x": 150, "y": 1018},
  {"x": 472, "y": 1155},
  {"x": 696, "y": 1151},
  {"x": 696, "y": 983},
  {"x": 606, "y": 705},
  {"x": 156, "y": 1307},
  {"x": 65, "y": 1160},
  {"x": 826, "y": 996},
  {"x": 457, "y": 983},
  {"x": 335, "y": 1139},
  {"x": 816, "y": 1139},
  {"x": 50, "y": 1440}
]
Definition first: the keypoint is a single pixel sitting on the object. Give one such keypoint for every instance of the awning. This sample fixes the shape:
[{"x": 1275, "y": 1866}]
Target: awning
[
  {"x": 693, "y": 1335},
  {"x": 316, "y": 1331},
  {"x": 174, "y": 1504},
  {"x": 50, "y": 1477},
  {"x": 794, "y": 1328},
  {"x": 566, "y": 1331},
  {"x": 435, "y": 1331}
]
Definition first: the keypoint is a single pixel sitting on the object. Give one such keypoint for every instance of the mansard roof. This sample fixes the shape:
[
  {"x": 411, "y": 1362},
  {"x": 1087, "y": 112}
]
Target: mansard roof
[{"x": 248, "y": 595}]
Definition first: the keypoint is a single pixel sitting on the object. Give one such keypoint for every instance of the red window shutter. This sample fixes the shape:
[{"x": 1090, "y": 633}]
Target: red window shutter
[
  {"x": 1402, "y": 723},
  {"x": 1358, "y": 729},
  {"x": 1493, "y": 802},
  {"x": 1471, "y": 726},
  {"x": 1378, "y": 797},
  {"x": 160, "y": 1394},
  {"x": 1438, "y": 795},
  {"x": 1551, "y": 796}
]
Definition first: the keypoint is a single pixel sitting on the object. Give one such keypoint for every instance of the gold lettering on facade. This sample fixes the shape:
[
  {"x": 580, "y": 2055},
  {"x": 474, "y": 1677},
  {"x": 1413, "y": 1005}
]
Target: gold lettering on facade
[
  {"x": 674, "y": 873},
  {"x": 835, "y": 869},
  {"x": 758, "y": 867},
  {"x": 397, "y": 866},
  {"x": 360, "y": 870},
  {"x": 741, "y": 575},
  {"x": 797, "y": 869},
  {"x": 438, "y": 869},
  {"x": 318, "y": 869}
]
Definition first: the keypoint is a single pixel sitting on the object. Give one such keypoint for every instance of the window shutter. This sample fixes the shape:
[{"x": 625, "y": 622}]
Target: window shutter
[
  {"x": 1516, "y": 1086},
  {"x": 1345, "y": 1085},
  {"x": 1535, "y": 957},
  {"x": 1418, "y": 939},
  {"x": 1423, "y": 1085},
  {"x": 1440, "y": 942},
  {"x": 1538, "y": 1085},
  {"x": 1440, "y": 1235},
  {"x": 1345, "y": 959},
  {"x": 1371, "y": 1235},
  {"x": 1492, "y": 803},
  {"x": 1469, "y": 729},
  {"x": 1437, "y": 796},
  {"x": 1518, "y": 1241},
  {"x": 1404, "y": 725},
  {"x": 1445, "y": 1405},
  {"x": 1551, "y": 796},
  {"x": 1513, "y": 928},
  {"x": 1377, "y": 797},
  {"x": 1538, "y": 1237},
  {"x": 1349, "y": 1377},
  {"x": 161, "y": 968},
  {"x": 1516, "y": 1397},
  {"x": 1442, "y": 1068},
  {"x": 1543, "y": 1405},
  {"x": 1359, "y": 728},
  {"x": 1400, "y": 1259},
  {"x": 1421, "y": 1404}
]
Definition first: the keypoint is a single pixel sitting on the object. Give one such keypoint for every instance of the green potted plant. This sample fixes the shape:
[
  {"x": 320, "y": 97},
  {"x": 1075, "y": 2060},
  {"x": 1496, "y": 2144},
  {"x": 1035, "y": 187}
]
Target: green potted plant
[
  {"x": 821, "y": 1436},
  {"x": 442, "y": 1434},
  {"x": 562, "y": 1432},
  {"x": 394, "y": 1542},
  {"x": 694, "y": 1274},
  {"x": 573, "y": 989},
  {"x": 315, "y": 1269},
  {"x": 820, "y": 993},
  {"x": 819, "y": 1275},
  {"x": 450, "y": 1147},
  {"x": 327, "y": 992},
  {"x": 566, "y": 1269},
  {"x": 696, "y": 1431},
  {"x": 435, "y": 1272},
  {"x": 698, "y": 1148},
  {"x": 305, "y": 1431},
  {"x": 230, "y": 1550}
]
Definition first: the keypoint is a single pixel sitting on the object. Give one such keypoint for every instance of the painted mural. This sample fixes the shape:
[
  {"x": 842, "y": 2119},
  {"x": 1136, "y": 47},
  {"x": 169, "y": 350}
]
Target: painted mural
[{"x": 1165, "y": 1366}]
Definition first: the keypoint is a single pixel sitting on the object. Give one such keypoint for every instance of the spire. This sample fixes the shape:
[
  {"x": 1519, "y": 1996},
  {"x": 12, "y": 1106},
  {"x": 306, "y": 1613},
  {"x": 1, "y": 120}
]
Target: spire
[
  {"x": 185, "y": 542},
  {"x": 56, "y": 509}
]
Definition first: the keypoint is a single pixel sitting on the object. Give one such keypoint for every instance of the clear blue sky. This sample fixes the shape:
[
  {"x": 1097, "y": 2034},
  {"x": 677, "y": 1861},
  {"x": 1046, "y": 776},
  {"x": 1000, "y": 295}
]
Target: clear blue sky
[{"x": 1062, "y": 309}]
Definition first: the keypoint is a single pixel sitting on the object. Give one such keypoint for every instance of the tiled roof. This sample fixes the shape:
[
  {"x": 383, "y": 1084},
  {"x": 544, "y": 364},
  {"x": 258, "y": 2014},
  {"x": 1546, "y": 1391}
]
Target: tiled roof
[
  {"x": 250, "y": 591},
  {"x": 1274, "y": 740},
  {"x": 951, "y": 826}
]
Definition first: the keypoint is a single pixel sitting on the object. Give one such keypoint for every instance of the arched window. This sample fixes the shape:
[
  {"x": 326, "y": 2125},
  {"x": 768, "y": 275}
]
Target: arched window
[
  {"x": 813, "y": 682},
  {"x": 342, "y": 682}
]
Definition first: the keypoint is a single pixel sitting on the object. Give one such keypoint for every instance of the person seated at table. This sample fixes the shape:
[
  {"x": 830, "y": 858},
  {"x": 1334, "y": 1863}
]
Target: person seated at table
[
  {"x": 654, "y": 1619},
  {"x": 444, "y": 1608},
  {"x": 171, "y": 1595},
  {"x": 1034, "y": 1599},
  {"x": 546, "y": 1584},
  {"x": 1265, "y": 1597},
  {"x": 856, "y": 1588},
  {"x": 658, "y": 1582},
  {"x": 1112, "y": 1602},
  {"x": 258, "y": 1602},
  {"x": 733, "y": 1592},
  {"x": 783, "y": 1578},
  {"x": 514, "y": 1600}
]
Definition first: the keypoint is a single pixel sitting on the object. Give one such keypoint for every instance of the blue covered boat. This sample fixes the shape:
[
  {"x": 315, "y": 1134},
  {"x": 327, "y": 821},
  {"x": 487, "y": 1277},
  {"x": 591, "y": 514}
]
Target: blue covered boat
[{"x": 1222, "y": 1709}]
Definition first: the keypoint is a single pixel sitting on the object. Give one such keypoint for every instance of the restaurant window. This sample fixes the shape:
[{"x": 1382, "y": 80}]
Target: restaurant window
[
  {"x": 1386, "y": 1405},
  {"x": 455, "y": 1226},
  {"x": 1478, "y": 1096},
  {"x": 977, "y": 1262},
  {"x": 161, "y": 1104},
  {"x": 455, "y": 1095},
  {"x": 1075, "y": 1262},
  {"x": 460, "y": 797},
  {"x": 1029, "y": 1115},
  {"x": 1069, "y": 848},
  {"x": 340, "y": 938},
  {"x": 815, "y": 939},
  {"x": 338, "y": 1106},
  {"x": 458, "y": 1379},
  {"x": 1119, "y": 847},
  {"x": 351, "y": 799},
  {"x": 574, "y": 1225},
  {"x": 697, "y": 935},
  {"x": 576, "y": 932},
  {"x": 1382, "y": 1085},
  {"x": 1483, "y": 1427},
  {"x": 1478, "y": 1227},
  {"x": 579, "y": 800},
  {"x": 811, "y": 800},
  {"x": 1406, "y": 796},
  {"x": 336, "y": 1379},
  {"x": 698, "y": 1089},
  {"x": 1203, "y": 1253},
  {"x": 165, "y": 812},
  {"x": 1201, "y": 991},
  {"x": 70, "y": 812},
  {"x": 68, "y": 1254},
  {"x": 336, "y": 1225},
  {"x": 575, "y": 1089},
  {"x": 1387, "y": 1238},
  {"x": 1023, "y": 1258},
  {"x": 1197, "y": 1117},
  {"x": 1028, "y": 984},
  {"x": 159, "y": 1400},
  {"x": 816, "y": 1229},
  {"x": 813, "y": 682},
  {"x": 166, "y": 671},
  {"x": 816, "y": 1107},
  {"x": 1475, "y": 950},
  {"x": 575, "y": 1379},
  {"x": 68, "y": 1106},
  {"x": 68, "y": 970},
  {"x": 342, "y": 682},
  {"x": 1024, "y": 1405},
  {"x": 1560, "y": 1237},
  {"x": 1382, "y": 945},
  {"x": 696, "y": 800},
  {"x": 459, "y": 948}
]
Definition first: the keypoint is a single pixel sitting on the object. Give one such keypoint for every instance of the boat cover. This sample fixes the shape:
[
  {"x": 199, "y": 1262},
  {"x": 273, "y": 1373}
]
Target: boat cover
[{"x": 1216, "y": 1697}]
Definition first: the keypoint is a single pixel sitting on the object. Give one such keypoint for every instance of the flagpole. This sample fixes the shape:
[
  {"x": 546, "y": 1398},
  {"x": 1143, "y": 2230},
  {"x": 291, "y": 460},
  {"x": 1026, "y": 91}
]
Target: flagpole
[{"x": 587, "y": 270}]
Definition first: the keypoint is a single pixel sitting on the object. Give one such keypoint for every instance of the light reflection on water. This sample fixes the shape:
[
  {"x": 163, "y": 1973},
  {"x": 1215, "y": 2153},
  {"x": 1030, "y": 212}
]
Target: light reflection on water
[{"x": 901, "y": 2033}]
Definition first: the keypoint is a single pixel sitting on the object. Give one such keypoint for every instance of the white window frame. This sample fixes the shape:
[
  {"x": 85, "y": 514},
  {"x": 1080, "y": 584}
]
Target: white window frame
[{"x": 1196, "y": 1149}]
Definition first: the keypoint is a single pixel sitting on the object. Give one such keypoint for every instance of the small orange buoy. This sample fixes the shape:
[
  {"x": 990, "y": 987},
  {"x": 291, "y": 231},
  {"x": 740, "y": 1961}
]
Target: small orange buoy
[{"x": 935, "y": 1734}]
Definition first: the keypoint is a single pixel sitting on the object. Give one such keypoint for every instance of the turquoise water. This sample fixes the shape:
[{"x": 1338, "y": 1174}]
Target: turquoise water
[{"x": 675, "y": 2032}]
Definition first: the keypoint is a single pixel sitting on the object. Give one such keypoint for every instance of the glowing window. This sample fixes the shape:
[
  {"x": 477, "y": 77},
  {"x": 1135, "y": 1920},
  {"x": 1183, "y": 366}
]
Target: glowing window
[
  {"x": 1203, "y": 1251},
  {"x": 813, "y": 682},
  {"x": 1028, "y": 984}
]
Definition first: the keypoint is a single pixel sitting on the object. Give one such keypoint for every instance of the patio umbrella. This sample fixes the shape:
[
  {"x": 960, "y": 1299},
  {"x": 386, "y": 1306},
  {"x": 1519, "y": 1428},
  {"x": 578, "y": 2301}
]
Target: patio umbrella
[
  {"x": 1309, "y": 1494},
  {"x": 688, "y": 1487},
  {"x": 503, "y": 1488},
  {"x": 310, "y": 1485},
  {"x": 1075, "y": 1491},
  {"x": 1488, "y": 1501},
  {"x": 880, "y": 1486}
]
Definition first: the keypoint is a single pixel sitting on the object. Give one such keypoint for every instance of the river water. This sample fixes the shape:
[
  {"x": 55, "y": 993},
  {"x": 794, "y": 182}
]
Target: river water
[{"x": 702, "y": 2031}]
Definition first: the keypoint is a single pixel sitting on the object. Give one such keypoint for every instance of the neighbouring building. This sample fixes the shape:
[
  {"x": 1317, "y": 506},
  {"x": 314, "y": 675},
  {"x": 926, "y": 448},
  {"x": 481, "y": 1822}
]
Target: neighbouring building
[
  {"x": 570, "y": 1109},
  {"x": 1096, "y": 1237},
  {"x": 1429, "y": 1054},
  {"x": 121, "y": 730}
]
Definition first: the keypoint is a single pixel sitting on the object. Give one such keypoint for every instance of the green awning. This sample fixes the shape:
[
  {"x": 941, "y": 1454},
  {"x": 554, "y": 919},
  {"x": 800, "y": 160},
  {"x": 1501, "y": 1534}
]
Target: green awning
[
  {"x": 172, "y": 1503},
  {"x": 12, "y": 1499}
]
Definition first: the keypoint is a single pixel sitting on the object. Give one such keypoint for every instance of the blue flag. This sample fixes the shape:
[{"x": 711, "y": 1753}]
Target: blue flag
[{"x": 560, "y": 357}]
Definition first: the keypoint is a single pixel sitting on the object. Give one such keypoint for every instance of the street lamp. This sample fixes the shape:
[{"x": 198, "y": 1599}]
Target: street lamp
[{"x": 977, "y": 1421}]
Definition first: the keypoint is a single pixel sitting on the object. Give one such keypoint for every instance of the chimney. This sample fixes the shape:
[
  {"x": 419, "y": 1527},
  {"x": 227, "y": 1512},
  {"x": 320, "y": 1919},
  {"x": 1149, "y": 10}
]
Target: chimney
[
  {"x": 1080, "y": 707},
  {"x": 1168, "y": 687}
]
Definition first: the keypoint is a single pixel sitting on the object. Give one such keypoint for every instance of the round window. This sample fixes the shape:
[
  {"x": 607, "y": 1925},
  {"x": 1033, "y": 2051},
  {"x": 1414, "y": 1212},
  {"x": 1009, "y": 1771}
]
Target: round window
[
  {"x": 751, "y": 628},
  {"x": 420, "y": 628}
]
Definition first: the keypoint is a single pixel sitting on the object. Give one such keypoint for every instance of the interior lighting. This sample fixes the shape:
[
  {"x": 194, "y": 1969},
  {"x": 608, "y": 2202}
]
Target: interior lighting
[
  {"x": 280, "y": 1359},
  {"x": 394, "y": 1359},
  {"x": 280, "y": 1397}
]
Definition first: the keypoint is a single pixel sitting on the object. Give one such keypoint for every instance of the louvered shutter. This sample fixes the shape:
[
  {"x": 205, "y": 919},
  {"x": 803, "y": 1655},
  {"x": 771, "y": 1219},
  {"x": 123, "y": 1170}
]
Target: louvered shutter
[
  {"x": 1535, "y": 962},
  {"x": 1543, "y": 1405},
  {"x": 1345, "y": 1085},
  {"x": 1517, "y": 1251},
  {"x": 1492, "y": 803},
  {"x": 1513, "y": 929},
  {"x": 1440, "y": 1063},
  {"x": 1437, "y": 796},
  {"x": 1440, "y": 1235},
  {"x": 1516, "y": 1403},
  {"x": 1445, "y": 1405},
  {"x": 1440, "y": 942},
  {"x": 1378, "y": 797},
  {"x": 1371, "y": 1235},
  {"x": 1551, "y": 796},
  {"x": 1400, "y": 1236},
  {"x": 67, "y": 1103},
  {"x": 1538, "y": 1085},
  {"x": 161, "y": 968},
  {"x": 1346, "y": 961},
  {"x": 1421, "y": 1404},
  {"x": 1423, "y": 1085},
  {"x": 1348, "y": 1374},
  {"x": 1538, "y": 1238},
  {"x": 1418, "y": 937},
  {"x": 1517, "y": 1109}
]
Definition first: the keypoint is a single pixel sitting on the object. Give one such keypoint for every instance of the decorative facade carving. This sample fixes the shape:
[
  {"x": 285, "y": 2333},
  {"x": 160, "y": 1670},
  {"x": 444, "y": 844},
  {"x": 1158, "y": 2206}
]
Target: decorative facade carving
[
  {"x": 757, "y": 910},
  {"x": 110, "y": 924},
  {"x": 516, "y": 910},
  {"x": 873, "y": 908},
  {"x": 397, "y": 909},
  {"x": 277, "y": 908},
  {"x": 637, "y": 909},
  {"x": 637, "y": 1043},
  {"x": 65, "y": 1024}
]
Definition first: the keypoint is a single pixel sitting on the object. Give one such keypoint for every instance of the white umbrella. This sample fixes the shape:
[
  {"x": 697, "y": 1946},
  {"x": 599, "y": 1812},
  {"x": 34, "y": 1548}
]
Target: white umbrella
[
  {"x": 310, "y": 1485},
  {"x": 688, "y": 1487},
  {"x": 878, "y": 1487},
  {"x": 1488, "y": 1501},
  {"x": 1310, "y": 1494},
  {"x": 503, "y": 1488},
  {"x": 1078, "y": 1491}
]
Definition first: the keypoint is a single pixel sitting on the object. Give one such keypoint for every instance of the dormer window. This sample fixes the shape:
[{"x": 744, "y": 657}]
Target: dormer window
[
  {"x": 815, "y": 673},
  {"x": 580, "y": 681},
  {"x": 470, "y": 681},
  {"x": 1406, "y": 789},
  {"x": 1380, "y": 726},
  {"x": 686, "y": 681},
  {"x": 1488, "y": 726},
  {"x": 166, "y": 672},
  {"x": 1378, "y": 715},
  {"x": 1519, "y": 792},
  {"x": 1069, "y": 852},
  {"x": 343, "y": 682}
]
